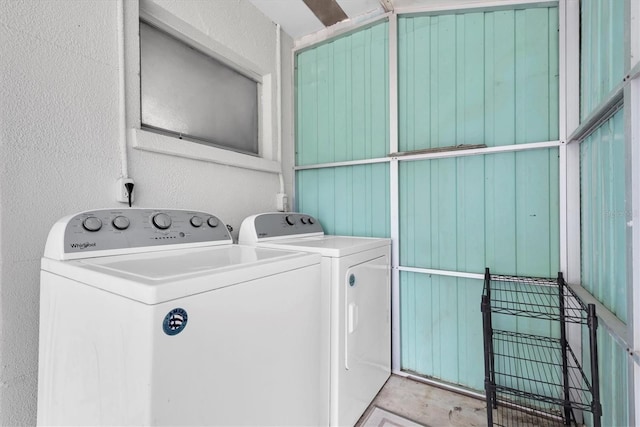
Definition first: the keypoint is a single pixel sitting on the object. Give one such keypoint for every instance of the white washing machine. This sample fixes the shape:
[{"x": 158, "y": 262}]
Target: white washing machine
[
  {"x": 356, "y": 300},
  {"x": 154, "y": 317}
]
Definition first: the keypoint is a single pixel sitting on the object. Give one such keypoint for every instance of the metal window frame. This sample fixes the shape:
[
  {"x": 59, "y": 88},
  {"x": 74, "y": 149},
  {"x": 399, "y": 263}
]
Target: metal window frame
[{"x": 156, "y": 15}]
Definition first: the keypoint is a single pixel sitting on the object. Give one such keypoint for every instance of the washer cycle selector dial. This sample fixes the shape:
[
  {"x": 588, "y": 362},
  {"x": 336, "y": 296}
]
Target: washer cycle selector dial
[
  {"x": 120, "y": 222},
  {"x": 290, "y": 220},
  {"x": 92, "y": 223},
  {"x": 196, "y": 221},
  {"x": 212, "y": 221},
  {"x": 162, "y": 221}
]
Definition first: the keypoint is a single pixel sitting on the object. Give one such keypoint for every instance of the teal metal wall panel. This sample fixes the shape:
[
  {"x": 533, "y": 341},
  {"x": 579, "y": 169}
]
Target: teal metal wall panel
[
  {"x": 478, "y": 78},
  {"x": 349, "y": 200},
  {"x": 601, "y": 51},
  {"x": 466, "y": 213},
  {"x": 603, "y": 215},
  {"x": 475, "y": 78},
  {"x": 462, "y": 214},
  {"x": 441, "y": 328},
  {"x": 342, "y": 98}
]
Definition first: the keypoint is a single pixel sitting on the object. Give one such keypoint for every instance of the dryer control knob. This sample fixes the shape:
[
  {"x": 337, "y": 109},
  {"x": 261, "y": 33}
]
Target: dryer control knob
[
  {"x": 212, "y": 221},
  {"x": 120, "y": 222},
  {"x": 303, "y": 220},
  {"x": 311, "y": 221},
  {"x": 92, "y": 223},
  {"x": 290, "y": 220},
  {"x": 162, "y": 221},
  {"x": 196, "y": 221}
]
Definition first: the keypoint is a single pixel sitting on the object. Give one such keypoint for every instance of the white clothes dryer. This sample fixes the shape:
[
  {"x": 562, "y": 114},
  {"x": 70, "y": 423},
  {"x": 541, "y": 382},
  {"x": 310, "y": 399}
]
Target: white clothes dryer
[
  {"x": 356, "y": 304},
  {"x": 154, "y": 317}
]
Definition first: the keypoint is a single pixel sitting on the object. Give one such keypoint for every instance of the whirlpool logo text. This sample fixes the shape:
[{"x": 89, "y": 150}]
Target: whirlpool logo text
[{"x": 84, "y": 245}]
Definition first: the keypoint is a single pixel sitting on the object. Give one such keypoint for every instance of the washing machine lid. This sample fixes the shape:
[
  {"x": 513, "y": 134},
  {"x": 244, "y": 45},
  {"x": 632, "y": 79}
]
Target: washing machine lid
[
  {"x": 328, "y": 246},
  {"x": 155, "y": 277}
]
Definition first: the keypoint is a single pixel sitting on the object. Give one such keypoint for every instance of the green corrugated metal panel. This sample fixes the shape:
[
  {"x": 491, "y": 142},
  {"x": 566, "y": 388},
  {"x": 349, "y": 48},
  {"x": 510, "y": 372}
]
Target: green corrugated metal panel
[
  {"x": 342, "y": 98},
  {"x": 498, "y": 210},
  {"x": 603, "y": 215},
  {"x": 478, "y": 78},
  {"x": 601, "y": 51},
  {"x": 350, "y": 200},
  {"x": 441, "y": 328}
]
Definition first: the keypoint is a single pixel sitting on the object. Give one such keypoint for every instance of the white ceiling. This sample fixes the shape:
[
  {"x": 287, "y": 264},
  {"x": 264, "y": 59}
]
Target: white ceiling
[{"x": 298, "y": 21}]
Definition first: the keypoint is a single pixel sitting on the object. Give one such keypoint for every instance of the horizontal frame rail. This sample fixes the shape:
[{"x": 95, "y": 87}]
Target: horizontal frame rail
[
  {"x": 600, "y": 115},
  {"x": 442, "y": 272},
  {"x": 342, "y": 164},
  {"x": 616, "y": 328},
  {"x": 438, "y": 155},
  {"x": 446, "y": 7}
]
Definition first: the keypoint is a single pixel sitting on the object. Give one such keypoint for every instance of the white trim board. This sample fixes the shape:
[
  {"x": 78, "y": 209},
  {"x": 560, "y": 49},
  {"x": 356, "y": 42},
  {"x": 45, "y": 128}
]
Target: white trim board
[{"x": 159, "y": 143}]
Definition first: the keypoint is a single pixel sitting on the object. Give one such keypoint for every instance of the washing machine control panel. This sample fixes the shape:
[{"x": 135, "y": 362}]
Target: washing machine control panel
[
  {"x": 124, "y": 230},
  {"x": 279, "y": 224}
]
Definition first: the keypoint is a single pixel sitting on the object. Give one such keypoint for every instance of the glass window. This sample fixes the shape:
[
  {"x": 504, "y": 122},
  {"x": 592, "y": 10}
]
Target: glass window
[{"x": 189, "y": 94}]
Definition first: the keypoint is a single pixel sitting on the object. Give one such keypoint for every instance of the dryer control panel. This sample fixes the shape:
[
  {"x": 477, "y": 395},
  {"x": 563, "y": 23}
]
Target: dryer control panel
[
  {"x": 278, "y": 225},
  {"x": 115, "y": 231}
]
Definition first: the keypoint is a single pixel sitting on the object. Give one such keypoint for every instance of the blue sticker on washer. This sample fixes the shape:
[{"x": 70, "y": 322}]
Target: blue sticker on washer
[{"x": 175, "y": 321}]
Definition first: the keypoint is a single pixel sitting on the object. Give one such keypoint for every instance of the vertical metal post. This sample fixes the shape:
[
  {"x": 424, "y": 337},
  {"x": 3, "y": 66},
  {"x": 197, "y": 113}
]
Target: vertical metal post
[
  {"x": 563, "y": 346},
  {"x": 632, "y": 203},
  {"x": 490, "y": 373},
  {"x": 487, "y": 283},
  {"x": 487, "y": 338},
  {"x": 394, "y": 197},
  {"x": 592, "y": 322}
]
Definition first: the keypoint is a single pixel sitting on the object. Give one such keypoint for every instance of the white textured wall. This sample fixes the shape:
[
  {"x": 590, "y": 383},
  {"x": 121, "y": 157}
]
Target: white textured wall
[{"x": 59, "y": 149}]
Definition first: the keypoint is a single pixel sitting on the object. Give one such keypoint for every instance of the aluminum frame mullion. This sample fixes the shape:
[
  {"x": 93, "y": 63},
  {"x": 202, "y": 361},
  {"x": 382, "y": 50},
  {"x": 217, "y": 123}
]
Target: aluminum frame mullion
[
  {"x": 632, "y": 149},
  {"x": 569, "y": 15},
  {"x": 394, "y": 190}
]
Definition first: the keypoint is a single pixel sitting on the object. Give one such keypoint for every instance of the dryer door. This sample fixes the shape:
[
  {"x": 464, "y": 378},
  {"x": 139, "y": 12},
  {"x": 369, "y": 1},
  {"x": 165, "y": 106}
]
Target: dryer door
[
  {"x": 367, "y": 346},
  {"x": 367, "y": 314}
]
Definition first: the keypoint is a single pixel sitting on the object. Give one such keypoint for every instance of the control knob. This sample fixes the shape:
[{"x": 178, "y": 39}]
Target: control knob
[
  {"x": 212, "y": 221},
  {"x": 196, "y": 221},
  {"x": 290, "y": 220},
  {"x": 120, "y": 222},
  {"x": 92, "y": 223},
  {"x": 162, "y": 221}
]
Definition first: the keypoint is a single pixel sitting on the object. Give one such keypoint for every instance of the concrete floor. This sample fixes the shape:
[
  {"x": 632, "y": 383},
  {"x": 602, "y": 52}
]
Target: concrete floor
[
  {"x": 428, "y": 405},
  {"x": 435, "y": 407}
]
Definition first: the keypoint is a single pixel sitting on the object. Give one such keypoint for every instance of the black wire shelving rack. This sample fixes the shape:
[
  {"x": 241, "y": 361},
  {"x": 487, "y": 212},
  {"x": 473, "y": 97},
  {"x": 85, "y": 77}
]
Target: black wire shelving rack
[{"x": 532, "y": 375}]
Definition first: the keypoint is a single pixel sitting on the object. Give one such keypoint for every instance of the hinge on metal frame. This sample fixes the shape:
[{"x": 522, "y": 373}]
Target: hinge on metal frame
[{"x": 387, "y": 5}]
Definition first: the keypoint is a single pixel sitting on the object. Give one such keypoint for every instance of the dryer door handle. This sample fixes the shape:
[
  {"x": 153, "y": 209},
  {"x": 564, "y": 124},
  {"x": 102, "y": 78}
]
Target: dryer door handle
[
  {"x": 352, "y": 324},
  {"x": 352, "y": 321}
]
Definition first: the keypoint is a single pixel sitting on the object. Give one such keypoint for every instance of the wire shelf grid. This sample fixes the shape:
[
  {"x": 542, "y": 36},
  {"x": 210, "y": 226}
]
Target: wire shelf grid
[
  {"x": 533, "y": 379},
  {"x": 535, "y": 298}
]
